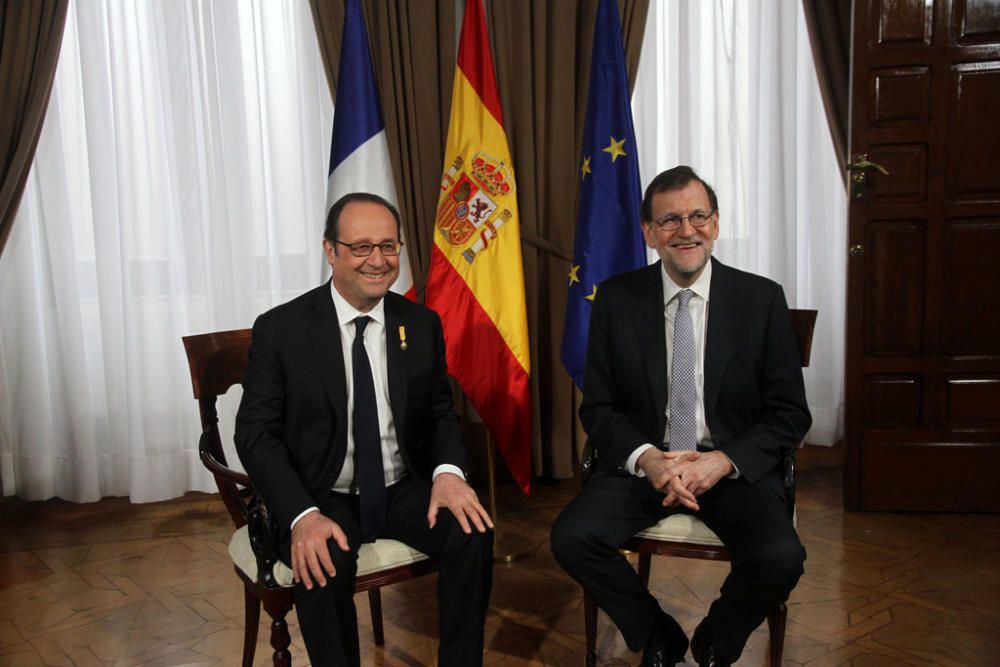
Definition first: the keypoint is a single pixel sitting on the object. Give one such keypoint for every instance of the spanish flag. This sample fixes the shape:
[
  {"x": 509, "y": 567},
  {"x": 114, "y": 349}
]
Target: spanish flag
[{"x": 476, "y": 279}]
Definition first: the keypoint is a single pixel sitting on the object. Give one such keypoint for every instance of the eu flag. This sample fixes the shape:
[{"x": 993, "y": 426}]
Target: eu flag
[{"x": 608, "y": 235}]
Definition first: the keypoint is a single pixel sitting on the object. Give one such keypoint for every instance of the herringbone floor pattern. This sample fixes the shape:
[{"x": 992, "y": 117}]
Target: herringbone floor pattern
[{"x": 119, "y": 584}]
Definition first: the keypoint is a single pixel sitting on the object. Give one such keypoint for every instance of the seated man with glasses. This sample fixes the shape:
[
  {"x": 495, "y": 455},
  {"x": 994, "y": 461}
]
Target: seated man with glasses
[
  {"x": 691, "y": 390},
  {"x": 347, "y": 430}
]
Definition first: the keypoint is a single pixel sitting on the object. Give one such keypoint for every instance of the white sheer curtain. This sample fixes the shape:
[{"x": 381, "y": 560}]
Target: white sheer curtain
[
  {"x": 178, "y": 188},
  {"x": 729, "y": 87}
]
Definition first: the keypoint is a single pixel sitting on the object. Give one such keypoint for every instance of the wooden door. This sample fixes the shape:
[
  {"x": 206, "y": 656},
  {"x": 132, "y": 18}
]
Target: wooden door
[{"x": 923, "y": 304}]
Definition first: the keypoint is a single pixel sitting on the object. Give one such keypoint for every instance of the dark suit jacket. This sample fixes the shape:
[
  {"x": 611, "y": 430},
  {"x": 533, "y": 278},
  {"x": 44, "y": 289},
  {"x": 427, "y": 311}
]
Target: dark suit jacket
[
  {"x": 291, "y": 429},
  {"x": 754, "y": 396}
]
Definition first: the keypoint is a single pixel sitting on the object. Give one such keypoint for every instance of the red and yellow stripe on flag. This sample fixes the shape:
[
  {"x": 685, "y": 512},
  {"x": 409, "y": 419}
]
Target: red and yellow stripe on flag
[{"x": 476, "y": 280}]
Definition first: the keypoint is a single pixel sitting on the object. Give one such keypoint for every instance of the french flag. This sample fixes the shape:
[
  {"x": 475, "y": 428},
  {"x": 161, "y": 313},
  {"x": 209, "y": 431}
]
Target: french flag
[{"x": 359, "y": 153}]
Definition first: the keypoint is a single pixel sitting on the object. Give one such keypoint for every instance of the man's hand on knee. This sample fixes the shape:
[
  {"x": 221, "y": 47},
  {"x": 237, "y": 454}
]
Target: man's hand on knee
[
  {"x": 452, "y": 492},
  {"x": 310, "y": 554}
]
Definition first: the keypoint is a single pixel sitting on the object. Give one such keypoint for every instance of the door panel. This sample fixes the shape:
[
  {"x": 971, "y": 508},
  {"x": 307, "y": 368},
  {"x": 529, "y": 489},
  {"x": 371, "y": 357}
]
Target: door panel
[
  {"x": 906, "y": 181},
  {"x": 901, "y": 95},
  {"x": 971, "y": 288},
  {"x": 894, "y": 298},
  {"x": 893, "y": 401},
  {"x": 923, "y": 328},
  {"x": 974, "y": 132},
  {"x": 977, "y": 21},
  {"x": 901, "y": 22}
]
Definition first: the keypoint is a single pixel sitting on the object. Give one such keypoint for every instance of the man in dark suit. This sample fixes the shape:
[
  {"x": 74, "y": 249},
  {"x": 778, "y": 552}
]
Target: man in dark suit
[
  {"x": 347, "y": 430},
  {"x": 692, "y": 389}
]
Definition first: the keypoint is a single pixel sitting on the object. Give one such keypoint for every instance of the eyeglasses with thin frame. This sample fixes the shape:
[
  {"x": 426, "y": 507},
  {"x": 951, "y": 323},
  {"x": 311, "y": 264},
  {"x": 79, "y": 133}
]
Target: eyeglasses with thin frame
[
  {"x": 673, "y": 222},
  {"x": 387, "y": 248}
]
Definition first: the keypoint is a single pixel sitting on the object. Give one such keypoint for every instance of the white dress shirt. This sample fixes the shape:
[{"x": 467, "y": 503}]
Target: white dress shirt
[
  {"x": 393, "y": 465},
  {"x": 374, "y": 335}
]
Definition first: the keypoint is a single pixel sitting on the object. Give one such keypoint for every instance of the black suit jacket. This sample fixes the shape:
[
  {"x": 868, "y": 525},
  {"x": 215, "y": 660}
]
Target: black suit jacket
[
  {"x": 754, "y": 396},
  {"x": 291, "y": 429}
]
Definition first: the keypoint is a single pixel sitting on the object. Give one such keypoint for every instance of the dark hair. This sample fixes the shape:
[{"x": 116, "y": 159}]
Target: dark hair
[
  {"x": 333, "y": 217},
  {"x": 673, "y": 179}
]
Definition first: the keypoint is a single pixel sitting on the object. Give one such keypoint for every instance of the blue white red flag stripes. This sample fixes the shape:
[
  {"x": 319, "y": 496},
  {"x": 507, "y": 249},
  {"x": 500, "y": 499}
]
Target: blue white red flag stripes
[{"x": 359, "y": 153}]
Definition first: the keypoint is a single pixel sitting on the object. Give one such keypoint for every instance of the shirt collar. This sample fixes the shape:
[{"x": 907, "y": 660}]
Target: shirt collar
[
  {"x": 701, "y": 285},
  {"x": 346, "y": 313}
]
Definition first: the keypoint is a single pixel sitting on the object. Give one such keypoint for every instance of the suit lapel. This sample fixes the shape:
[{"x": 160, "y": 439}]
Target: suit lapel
[
  {"x": 397, "y": 360},
  {"x": 324, "y": 335},
  {"x": 651, "y": 332},
  {"x": 720, "y": 331}
]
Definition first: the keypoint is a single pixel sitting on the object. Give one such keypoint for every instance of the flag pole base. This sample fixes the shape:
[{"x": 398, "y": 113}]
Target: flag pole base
[{"x": 509, "y": 547}]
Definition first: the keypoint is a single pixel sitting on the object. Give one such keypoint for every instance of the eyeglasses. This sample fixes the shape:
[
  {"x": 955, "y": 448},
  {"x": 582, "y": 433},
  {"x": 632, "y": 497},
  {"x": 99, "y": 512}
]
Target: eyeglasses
[
  {"x": 387, "y": 248},
  {"x": 672, "y": 222}
]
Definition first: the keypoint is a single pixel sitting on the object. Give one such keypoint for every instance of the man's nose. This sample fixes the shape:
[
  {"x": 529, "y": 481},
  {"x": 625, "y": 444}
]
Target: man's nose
[
  {"x": 377, "y": 258},
  {"x": 686, "y": 229}
]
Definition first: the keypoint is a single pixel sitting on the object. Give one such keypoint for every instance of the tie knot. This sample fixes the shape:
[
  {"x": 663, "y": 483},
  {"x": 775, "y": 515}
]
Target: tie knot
[
  {"x": 359, "y": 325},
  {"x": 683, "y": 297}
]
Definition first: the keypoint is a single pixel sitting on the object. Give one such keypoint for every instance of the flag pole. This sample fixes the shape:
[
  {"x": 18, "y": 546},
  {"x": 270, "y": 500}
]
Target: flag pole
[{"x": 507, "y": 546}]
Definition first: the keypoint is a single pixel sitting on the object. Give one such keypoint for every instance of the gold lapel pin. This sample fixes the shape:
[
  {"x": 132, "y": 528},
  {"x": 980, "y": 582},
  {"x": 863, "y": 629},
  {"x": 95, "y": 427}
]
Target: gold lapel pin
[{"x": 402, "y": 337}]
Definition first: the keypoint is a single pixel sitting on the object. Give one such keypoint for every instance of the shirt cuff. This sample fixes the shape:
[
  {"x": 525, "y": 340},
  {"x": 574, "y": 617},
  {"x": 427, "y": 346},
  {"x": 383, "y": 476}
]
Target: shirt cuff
[
  {"x": 447, "y": 467},
  {"x": 296, "y": 519},
  {"x": 633, "y": 459},
  {"x": 735, "y": 474}
]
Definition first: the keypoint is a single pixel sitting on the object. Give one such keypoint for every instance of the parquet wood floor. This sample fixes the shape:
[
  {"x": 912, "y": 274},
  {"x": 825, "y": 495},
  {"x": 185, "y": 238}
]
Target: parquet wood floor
[{"x": 118, "y": 584}]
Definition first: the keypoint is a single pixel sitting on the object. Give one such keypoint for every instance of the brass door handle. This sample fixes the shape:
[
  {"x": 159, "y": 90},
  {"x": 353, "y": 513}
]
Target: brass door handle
[
  {"x": 859, "y": 167},
  {"x": 861, "y": 162}
]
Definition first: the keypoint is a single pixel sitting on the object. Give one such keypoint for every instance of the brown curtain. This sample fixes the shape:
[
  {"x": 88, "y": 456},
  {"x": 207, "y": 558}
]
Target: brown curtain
[
  {"x": 30, "y": 37},
  {"x": 542, "y": 55},
  {"x": 829, "y": 25}
]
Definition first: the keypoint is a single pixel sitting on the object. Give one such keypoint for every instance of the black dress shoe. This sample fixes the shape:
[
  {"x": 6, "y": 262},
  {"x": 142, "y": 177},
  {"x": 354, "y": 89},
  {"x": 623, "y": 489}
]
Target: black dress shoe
[
  {"x": 705, "y": 653},
  {"x": 666, "y": 645}
]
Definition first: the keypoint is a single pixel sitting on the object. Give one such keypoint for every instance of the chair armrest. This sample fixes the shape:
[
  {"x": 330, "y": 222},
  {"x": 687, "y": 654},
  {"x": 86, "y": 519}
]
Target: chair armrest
[
  {"x": 263, "y": 530},
  {"x": 788, "y": 477},
  {"x": 261, "y": 526},
  {"x": 588, "y": 461},
  {"x": 216, "y": 467}
]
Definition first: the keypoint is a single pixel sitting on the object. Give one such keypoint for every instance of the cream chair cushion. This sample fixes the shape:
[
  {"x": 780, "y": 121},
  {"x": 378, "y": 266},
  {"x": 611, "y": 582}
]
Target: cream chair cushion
[
  {"x": 687, "y": 529},
  {"x": 681, "y": 528},
  {"x": 381, "y": 555}
]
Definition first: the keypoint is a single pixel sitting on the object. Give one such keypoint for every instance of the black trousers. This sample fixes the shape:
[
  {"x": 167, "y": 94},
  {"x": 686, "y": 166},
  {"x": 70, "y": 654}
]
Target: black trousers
[
  {"x": 751, "y": 520},
  {"x": 327, "y": 616}
]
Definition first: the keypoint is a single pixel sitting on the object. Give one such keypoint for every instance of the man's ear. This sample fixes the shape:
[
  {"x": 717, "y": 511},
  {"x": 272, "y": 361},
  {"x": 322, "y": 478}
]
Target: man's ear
[{"x": 648, "y": 234}]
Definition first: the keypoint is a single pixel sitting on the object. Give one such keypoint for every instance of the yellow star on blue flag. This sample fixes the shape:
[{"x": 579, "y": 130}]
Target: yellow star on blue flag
[
  {"x": 615, "y": 148},
  {"x": 574, "y": 275}
]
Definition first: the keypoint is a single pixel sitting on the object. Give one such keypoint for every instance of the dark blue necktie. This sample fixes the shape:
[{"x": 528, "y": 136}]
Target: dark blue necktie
[{"x": 367, "y": 441}]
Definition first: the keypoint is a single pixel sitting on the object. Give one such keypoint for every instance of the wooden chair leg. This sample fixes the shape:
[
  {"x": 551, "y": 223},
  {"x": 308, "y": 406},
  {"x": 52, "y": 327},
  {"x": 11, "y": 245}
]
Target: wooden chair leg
[
  {"x": 590, "y": 629},
  {"x": 776, "y": 620},
  {"x": 645, "y": 564},
  {"x": 251, "y": 622},
  {"x": 375, "y": 602},
  {"x": 280, "y": 641},
  {"x": 277, "y": 604}
]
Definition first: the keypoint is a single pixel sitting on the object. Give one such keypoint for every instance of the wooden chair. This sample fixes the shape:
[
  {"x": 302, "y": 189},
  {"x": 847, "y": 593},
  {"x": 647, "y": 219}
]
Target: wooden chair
[
  {"x": 218, "y": 361},
  {"x": 688, "y": 537}
]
